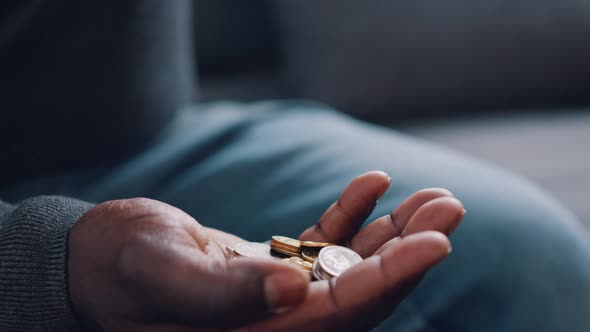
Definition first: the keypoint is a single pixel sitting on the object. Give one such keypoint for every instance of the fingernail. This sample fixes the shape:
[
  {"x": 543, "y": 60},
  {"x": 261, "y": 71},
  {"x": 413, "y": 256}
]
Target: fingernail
[
  {"x": 384, "y": 188},
  {"x": 284, "y": 290},
  {"x": 464, "y": 211}
]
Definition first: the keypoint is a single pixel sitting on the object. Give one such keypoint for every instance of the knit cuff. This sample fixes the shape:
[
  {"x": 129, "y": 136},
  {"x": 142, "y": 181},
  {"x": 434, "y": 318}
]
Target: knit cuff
[{"x": 33, "y": 262}]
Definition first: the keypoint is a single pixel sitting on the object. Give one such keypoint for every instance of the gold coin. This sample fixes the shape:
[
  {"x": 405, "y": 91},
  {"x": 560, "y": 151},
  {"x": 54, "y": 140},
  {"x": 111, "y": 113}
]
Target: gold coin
[
  {"x": 312, "y": 244},
  {"x": 281, "y": 244},
  {"x": 277, "y": 254},
  {"x": 252, "y": 249},
  {"x": 289, "y": 249},
  {"x": 286, "y": 252},
  {"x": 299, "y": 261},
  {"x": 310, "y": 254},
  {"x": 334, "y": 260},
  {"x": 286, "y": 241},
  {"x": 284, "y": 247}
]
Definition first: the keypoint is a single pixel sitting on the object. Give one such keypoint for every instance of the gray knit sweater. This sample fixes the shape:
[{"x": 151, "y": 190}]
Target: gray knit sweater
[
  {"x": 100, "y": 78},
  {"x": 33, "y": 264}
]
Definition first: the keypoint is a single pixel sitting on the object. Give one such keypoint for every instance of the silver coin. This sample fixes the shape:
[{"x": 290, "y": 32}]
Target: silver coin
[
  {"x": 318, "y": 273},
  {"x": 325, "y": 275},
  {"x": 315, "y": 270},
  {"x": 230, "y": 252},
  {"x": 335, "y": 260},
  {"x": 253, "y": 249}
]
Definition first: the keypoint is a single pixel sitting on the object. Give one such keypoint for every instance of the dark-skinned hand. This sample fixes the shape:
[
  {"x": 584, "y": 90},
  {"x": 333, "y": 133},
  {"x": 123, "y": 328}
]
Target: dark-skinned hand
[{"x": 143, "y": 265}]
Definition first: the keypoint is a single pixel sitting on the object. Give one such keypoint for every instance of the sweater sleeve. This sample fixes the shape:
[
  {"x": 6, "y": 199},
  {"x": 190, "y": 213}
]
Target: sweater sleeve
[{"x": 33, "y": 262}]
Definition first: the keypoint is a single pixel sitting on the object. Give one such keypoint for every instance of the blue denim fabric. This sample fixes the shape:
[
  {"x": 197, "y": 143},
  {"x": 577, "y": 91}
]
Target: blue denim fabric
[{"x": 520, "y": 261}]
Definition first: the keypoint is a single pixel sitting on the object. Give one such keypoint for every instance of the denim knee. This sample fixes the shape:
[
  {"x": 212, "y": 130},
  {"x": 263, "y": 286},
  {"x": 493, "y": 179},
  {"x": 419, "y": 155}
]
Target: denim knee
[{"x": 523, "y": 266}]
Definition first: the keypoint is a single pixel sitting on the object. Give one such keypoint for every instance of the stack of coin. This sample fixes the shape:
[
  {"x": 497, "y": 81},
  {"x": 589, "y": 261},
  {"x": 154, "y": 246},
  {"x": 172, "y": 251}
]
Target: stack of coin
[
  {"x": 250, "y": 249},
  {"x": 286, "y": 246},
  {"x": 306, "y": 266},
  {"x": 333, "y": 261},
  {"x": 321, "y": 260}
]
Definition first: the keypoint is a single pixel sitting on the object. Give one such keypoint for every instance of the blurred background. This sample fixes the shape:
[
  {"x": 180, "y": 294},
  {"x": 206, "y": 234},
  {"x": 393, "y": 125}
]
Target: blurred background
[{"x": 502, "y": 80}]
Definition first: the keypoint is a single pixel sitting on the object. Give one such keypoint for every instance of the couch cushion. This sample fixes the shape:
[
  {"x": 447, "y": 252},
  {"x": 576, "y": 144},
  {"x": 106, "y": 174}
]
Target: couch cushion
[{"x": 375, "y": 58}]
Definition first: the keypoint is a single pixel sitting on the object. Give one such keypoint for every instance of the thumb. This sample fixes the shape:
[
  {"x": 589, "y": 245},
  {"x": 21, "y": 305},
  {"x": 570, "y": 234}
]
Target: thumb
[{"x": 226, "y": 294}]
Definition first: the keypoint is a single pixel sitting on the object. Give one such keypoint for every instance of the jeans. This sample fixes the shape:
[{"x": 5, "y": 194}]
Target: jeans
[{"x": 520, "y": 260}]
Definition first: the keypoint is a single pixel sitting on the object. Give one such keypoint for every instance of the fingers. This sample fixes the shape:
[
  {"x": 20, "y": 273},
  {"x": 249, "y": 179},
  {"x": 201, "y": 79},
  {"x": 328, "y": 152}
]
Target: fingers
[
  {"x": 372, "y": 237},
  {"x": 390, "y": 276},
  {"x": 343, "y": 218},
  {"x": 400, "y": 261},
  {"x": 221, "y": 294},
  {"x": 248, "y": 290},
  {"x": 356, "y": 300},
  {"x": 442, "y": 214}
]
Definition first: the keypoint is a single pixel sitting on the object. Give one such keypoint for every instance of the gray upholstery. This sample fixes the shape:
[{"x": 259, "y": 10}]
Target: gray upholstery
[
  {"x": 233, "y": 36},
  {"x": 426, "y": 55}
]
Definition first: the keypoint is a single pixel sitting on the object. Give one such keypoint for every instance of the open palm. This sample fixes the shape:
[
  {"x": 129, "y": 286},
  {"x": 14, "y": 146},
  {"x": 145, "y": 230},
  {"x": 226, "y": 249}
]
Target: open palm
[{"x": 143, "y": 265}]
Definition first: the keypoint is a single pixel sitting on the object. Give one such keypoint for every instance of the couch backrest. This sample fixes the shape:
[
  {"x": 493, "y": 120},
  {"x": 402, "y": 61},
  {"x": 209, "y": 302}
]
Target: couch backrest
[
  {"x": 383, "y": 57},
  {"x": 234, "y": 36}
]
